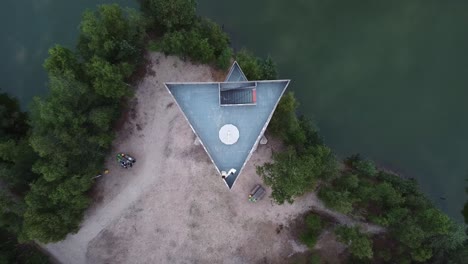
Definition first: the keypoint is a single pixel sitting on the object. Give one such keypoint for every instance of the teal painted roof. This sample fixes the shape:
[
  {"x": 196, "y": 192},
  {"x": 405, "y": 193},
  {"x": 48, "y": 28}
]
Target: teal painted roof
[
  {"x": 236, "y": 74},
  {"x": 201, "y": 105}
]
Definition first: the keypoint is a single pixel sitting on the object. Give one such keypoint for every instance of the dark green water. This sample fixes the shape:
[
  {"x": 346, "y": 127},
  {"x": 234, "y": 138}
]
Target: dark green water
[
  {"x": 28, "y": 29},
  {"x": 387, "y": 79}
]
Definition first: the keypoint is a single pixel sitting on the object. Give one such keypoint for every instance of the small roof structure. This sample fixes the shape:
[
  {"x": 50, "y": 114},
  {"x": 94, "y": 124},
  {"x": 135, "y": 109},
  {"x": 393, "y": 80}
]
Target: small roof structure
[{"x": 229, "y": 118}]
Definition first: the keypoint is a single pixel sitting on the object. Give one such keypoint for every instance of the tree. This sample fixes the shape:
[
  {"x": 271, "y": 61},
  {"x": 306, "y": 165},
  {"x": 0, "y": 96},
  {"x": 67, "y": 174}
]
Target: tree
[
  {"x": 218, "y": 41},
  {"x": 70, "y": 134},
  {"x": 348, "y": 182},
  {"x": 339, "y": 194},
  {"x": 453, "y": 240},
  {"x": 325, "y": 160},
  {"x": 16, "y": 156},
  {"x": 434, "y": 222},
  {"x": 314, "y": 226},
  {"x": 255, "y": 68},
  {"x": 364, "y": 167},
  {"x": 61, "y": 61},
  {"x": 199, "y": 48},
  {"x": 204, "y": 42},
  {"x": 421, "y": 254},
  {"x": 397, "y": 215},
  {"x": 11, "y": 212},
  {"x": 59, "y": 123},
  {"x": 224, "y": 59},
  {"x": 13, "y": 122},
  {"x": 269, "y": 71},
  {"x": 72, "y": 127},
  {"x": 284, "y": 123},
  {"x": 291, "y": 175},
  {"x": 359, "y": 244},
  {"x": 11, "y": 251},
  {"x": 387, "y": 196},
  {"x": 174, "y": 43},
  {"x": 410, "y": 234},
  {"x": 55, "y": 208},
  {"x": 16, "y": 160},
  {"x": 341, "y": 201},
  {"x": 250, "y": 65},
  {"x": 191, "y": 44},
  {"x": 171, "y": 14},
  {"x": 112, "y": 34},
  {"x": 102, "y": 117},
  {"x": 108, "y": 79},
  {"x": 311, "y": 135}
]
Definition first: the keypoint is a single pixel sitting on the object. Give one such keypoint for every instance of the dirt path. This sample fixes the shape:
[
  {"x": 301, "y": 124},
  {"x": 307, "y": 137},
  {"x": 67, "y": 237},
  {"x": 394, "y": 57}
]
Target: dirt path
[
  {"x": 171, "y": 207},
  {"x": 342, "y": 219}
]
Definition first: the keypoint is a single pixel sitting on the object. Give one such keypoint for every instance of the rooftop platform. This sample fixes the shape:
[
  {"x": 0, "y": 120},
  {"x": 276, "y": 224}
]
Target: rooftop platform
[{"x": 201, "y": 105}]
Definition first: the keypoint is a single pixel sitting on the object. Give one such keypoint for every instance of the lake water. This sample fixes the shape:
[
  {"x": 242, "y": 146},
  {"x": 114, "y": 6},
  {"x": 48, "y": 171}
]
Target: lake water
[
  {"x": 28, "y": 29},
  {"x": 387, "y": 79}
]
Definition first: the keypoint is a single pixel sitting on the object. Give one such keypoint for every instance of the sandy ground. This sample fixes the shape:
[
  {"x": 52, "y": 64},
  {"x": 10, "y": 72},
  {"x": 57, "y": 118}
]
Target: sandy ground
[{"x": 172, "y": 207}]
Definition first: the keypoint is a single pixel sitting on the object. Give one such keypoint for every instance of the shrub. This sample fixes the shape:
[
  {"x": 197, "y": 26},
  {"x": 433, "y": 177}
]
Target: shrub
[
  {"x": 314, "y": 226},
  {"x": 359, "y": 244}
]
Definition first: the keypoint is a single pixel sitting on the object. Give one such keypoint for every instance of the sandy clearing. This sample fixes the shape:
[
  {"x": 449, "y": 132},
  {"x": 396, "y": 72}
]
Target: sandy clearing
[{"x": 171, "y": 207}]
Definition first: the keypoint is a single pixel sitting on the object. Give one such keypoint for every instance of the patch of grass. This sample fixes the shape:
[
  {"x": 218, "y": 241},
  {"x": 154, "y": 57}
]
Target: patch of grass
[
  {"x": 314, "y": 259},
  {"x": 154, "y": 45},
  {"x": 314, "y": 227}
]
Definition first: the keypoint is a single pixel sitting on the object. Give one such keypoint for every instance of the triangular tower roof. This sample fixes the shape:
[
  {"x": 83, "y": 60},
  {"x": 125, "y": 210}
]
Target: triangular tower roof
[{"x": 229, "y": 118}]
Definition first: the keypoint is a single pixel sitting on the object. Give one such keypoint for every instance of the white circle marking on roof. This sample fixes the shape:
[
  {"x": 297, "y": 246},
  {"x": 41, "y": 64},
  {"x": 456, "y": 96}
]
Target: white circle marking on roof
[{"x": 229, "y": 134}]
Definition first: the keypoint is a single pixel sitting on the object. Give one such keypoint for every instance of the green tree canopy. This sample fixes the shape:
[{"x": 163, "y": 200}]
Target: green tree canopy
[
  {"x": 314, "y": 227},
  {"x": 11, "y": 251},
  {"x": 284, "y": 123},
  {"x": 269, "y": 69},
  {"x": 203, "y": 42},
  {"x": 72, "y": 127},
  {"x": 55, "y": 208},
  {"x": 16, "y": 159},
  {"x": 108, "y": 79},
  {"x": 11, "y": 212},
  {"x": 171, "y": 14},
  {"x": 13, "y": 122},
  {"x": 341, "y": 201},
  {"x": 359, "y": 244},
  {"x": 250, "y": 64},
  {"x": 61, "y": 61},
  {"x": 291, "y": 175},
  {"x": 16, "y": 156},
  {"x": 111, "y": 33}
]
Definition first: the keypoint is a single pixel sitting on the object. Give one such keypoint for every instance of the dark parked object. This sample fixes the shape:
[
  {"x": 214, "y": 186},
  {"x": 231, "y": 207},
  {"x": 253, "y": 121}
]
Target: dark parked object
[
  {"x": 125, "y": 160},
  {"x": 257, "y": 193}
]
